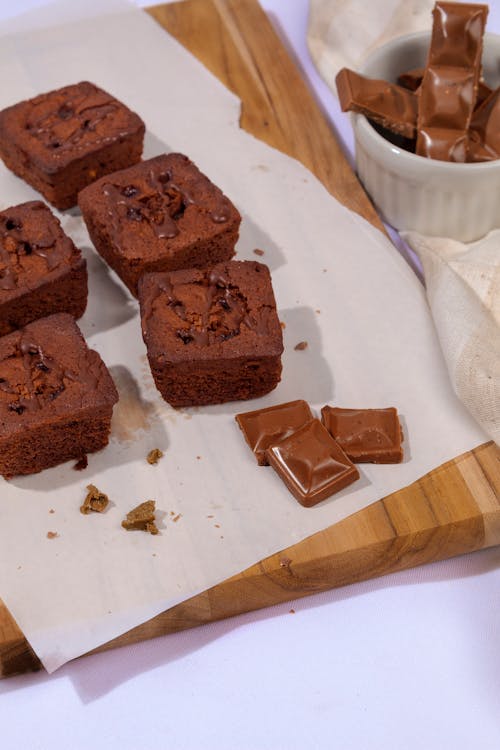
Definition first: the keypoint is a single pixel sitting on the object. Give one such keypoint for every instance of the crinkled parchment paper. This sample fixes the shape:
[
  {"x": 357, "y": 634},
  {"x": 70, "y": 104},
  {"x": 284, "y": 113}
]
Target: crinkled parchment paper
[{"x": 340, "y": 286}]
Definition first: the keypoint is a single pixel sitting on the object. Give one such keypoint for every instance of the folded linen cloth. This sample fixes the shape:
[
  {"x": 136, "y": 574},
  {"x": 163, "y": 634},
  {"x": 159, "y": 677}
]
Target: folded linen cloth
[
  {"x": 463, "y": 290},
  {"x": 462, "y": 281},
  {"x": 342, "y": 33}
]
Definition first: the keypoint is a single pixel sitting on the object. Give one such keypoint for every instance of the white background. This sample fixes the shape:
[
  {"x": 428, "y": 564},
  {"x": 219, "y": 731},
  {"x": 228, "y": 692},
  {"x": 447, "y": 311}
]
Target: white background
[{"x": 408, "y": 661}]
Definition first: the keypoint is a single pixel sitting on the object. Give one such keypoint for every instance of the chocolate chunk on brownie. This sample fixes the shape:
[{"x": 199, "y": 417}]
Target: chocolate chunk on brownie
[
  {"x": 56, "y": 396},
  {"x": 62, "y": 141},
  {"x": 160, "y": 215},
  {"x": 41, "y": 271},
  {"x": 212, "y": 335}
]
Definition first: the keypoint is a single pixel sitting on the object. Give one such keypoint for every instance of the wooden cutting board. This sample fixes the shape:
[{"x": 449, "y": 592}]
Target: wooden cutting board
[{"x": 453, "y": 509}]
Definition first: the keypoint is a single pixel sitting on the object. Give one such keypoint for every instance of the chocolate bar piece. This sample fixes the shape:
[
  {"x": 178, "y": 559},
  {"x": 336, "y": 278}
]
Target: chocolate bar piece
[
  {"x": 385, "y": 103},
  {"x": 449, "y": 86},
  {"x": 412, "y": 79},
  {"x": 484, "y": 142},
  {"x": 263, "y": 428},
  {"x": 311, "y": 464},
  {"x": 366, "y": 435}
]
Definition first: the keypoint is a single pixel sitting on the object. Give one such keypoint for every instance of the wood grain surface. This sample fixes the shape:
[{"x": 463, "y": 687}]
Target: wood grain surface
[{"x": 452, "y": 510}]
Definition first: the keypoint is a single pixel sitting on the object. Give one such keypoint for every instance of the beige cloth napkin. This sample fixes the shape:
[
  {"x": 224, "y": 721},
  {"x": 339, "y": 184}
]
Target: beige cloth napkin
[
  {"x": 343, "y": 32},
  {"x": 462, "y": 281},
  {"x": 463, "y": 290}
]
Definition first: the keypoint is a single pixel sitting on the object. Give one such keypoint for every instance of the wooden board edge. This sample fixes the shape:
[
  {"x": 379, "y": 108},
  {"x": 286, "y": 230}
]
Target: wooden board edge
[{"x": 276, "y": 580}]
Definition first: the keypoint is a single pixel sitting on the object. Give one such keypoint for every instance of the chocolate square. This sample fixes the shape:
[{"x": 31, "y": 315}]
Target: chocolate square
[
  {"x": 263, "y": 428},
  {"x": 311, "y": 464},
  {"x": 366, "y": 435}
]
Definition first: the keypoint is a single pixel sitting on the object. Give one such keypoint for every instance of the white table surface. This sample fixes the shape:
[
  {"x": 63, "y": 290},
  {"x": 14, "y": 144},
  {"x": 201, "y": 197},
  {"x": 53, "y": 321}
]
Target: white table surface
[{"x": 409, "y": 661}]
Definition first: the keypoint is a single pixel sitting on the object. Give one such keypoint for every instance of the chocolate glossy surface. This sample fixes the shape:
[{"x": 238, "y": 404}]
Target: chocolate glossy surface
[
  {"x": 366, "y": 435},
  {"x": 387, "y": 104},
  {"x": 448, "y": 91},
  {"x": 311, "y": 464},
  {"x": 263, "y": 428}
]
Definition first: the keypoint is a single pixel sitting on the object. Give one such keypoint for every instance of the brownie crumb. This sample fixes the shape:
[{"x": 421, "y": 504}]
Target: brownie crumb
[
  {"x": 300, "y": 346},
  {"x": 283, "y": 324},
  {"x": 176, "y": 518},
  {"x": 142, "y": 518},
  {"x": 154, "y": 456},
  {"x": 81, "y": 464},
  {"x": 52, "y": 510},
  {"x": 95, "y": 501},
  {"x": 257, "y": 251},
  {"x": 52, "y": 534},
  {"x": 292, "y": 611}
]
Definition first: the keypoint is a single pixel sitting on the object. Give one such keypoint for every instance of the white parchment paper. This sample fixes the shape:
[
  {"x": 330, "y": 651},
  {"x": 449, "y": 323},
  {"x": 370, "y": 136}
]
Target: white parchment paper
[{"x": 340, "y": 286}]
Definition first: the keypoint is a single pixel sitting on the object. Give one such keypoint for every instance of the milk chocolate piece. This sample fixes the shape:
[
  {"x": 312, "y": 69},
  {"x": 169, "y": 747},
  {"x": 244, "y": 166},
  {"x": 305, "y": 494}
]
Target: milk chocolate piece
[
  {"x": 263, "y": 428},
  {"x": 366, "y": 435},
  {"x": 311, "y": 464},
  {"x": 412, "y": 79},
  {"x": 484, "y": 142},
  {"x": 448, "y": 91},
  {"x": 385, "y": 103}
]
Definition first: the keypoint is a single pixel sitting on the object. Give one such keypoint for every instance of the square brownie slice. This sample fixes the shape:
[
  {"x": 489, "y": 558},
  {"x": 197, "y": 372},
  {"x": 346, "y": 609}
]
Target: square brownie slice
[
  {"x": 62, "y": 141},
  {"x": 366, "y": 435},
  {"x": 41, "y": 270},
  {"x": 161, "y": 215},
  {"x": 56, "y": 396},
  {"x": 212, "y": 335}
]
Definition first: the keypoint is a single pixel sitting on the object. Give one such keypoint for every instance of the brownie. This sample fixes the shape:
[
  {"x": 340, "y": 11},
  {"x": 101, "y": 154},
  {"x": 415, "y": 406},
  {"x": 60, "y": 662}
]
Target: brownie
[
  {"x": 41, "y": 271},
  {"x": 212, "y": 335},
  {"x": 62, "y": 141},
  {"x": 56, "y": 396},
  {"x": 160, "y": 215},
  {"x": 366, "y": 435}
]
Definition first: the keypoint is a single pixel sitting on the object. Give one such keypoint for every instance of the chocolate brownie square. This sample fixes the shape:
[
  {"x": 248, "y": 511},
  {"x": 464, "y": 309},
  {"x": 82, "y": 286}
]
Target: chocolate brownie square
[
  {"x": 62, "y": 141},
  {"x": 366, "y": 435},
  {"x": 56, "y": 396},
  {"x": 212, "y": 335},
  {"x": 160, "y": 215},
  {"x": 41, "y": 271}
]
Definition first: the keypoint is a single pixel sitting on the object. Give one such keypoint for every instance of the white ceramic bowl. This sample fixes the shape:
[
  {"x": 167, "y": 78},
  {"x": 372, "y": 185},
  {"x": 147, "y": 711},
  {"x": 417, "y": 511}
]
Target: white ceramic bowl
[{"x": 433, "y": 197}]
